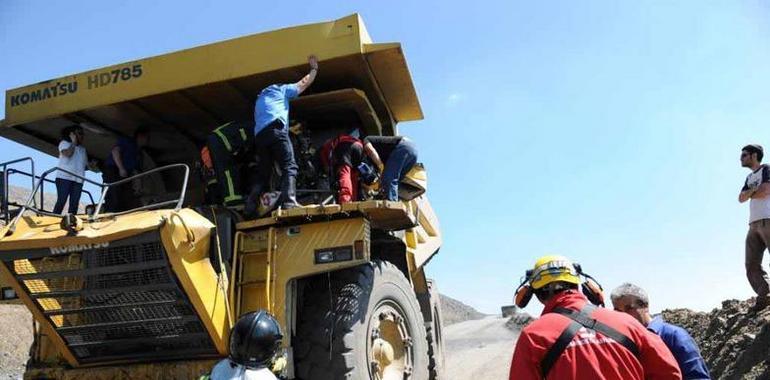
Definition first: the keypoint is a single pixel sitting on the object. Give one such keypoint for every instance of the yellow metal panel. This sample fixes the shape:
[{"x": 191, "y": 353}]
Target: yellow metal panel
[
  {"x": 236, "y": 58},
  {"x": 45, "y": 232},
  {"x": 388, "y": 64},
  {"x": 256, "y": 241},
  {"x": 186, "y": 236},
  {"x": 292, "y": 256},
  {"x": 383, "y": 214}
]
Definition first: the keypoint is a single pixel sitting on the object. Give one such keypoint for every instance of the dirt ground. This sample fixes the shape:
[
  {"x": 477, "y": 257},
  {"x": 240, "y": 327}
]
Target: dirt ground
[
  {"x": 15, "y": 339},
  {"x": 479, "y": 349},
  {"x": 476, "y": 349}
]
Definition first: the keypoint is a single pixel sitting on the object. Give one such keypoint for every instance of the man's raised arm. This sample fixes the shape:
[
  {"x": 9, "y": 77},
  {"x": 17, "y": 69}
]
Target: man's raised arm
[{"x": 308, "y": 79}]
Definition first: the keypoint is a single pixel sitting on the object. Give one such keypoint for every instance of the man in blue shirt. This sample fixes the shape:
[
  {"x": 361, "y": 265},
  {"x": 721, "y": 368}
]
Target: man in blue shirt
[
  {"x": 123, "y": 162},
  {"x": 271, "y": 137},
  {"x": 633, "y": 300}
]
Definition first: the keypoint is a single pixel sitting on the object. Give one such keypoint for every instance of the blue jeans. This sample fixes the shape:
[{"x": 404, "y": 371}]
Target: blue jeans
[
  {"x": 403, "y": 157},
  {"x": 67, "y": 189}
]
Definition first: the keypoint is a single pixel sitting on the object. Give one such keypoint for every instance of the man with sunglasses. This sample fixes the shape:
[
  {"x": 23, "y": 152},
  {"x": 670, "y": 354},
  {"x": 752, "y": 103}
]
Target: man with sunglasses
[
  {"x": 633, "y": 300},
  {"x": 756, "y": 190}
]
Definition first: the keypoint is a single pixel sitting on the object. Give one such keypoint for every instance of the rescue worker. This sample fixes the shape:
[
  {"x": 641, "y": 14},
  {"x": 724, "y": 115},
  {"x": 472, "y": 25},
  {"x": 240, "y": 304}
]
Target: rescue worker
[
  {"x": 574, "y": 339},
  {"x": 254, "y": 341},
  {"x": 342, "y": 156},
  {"x": 633, "y": 300},
  {"x": 209, "y": 178},
  {"x": 271, "y": 131},
  {"x": 393, "y": 156},
  {"x": 757, "y": 190},
  {"x": 123, "y": 161},
  {"x": 229, "y": 145}
]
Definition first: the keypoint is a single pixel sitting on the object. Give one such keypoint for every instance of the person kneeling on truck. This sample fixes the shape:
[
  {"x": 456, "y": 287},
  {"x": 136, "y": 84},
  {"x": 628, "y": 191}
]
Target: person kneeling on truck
[
  {"x": 576, "y": 339},
  {"x": 399, "y": 155},
  {"x": 254, "y": 341},
  {"x": 271, "y": 137},
  {"x": 633, "y": 300},
  {"x": 228, "y": 145},
  {"x": 343, "y": 157}
]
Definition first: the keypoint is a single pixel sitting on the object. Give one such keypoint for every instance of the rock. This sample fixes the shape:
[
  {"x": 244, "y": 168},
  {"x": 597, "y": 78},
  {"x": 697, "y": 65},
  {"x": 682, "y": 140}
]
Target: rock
[{"x": 734, "y": 342}]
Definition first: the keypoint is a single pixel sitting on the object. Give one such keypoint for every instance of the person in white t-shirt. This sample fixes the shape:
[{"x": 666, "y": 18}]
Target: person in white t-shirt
[
  {"x": 255, "y": 339},
  {"x": 72, "y": 158},
  {"x": 757, "y": 189}
]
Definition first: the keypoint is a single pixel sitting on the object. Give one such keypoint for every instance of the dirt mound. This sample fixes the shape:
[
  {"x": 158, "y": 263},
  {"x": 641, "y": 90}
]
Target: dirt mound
[
  {"x": 455, "y": 311},
  {"x": 734, "y": 341},
  {"x": 15, "y": 340}
]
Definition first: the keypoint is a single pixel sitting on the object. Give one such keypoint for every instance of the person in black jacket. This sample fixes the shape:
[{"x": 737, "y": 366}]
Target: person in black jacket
[{"x": 228, "y": 145}]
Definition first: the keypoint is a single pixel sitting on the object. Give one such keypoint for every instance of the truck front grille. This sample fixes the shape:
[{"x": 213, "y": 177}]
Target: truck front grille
[{"x": 113, "y": 302}]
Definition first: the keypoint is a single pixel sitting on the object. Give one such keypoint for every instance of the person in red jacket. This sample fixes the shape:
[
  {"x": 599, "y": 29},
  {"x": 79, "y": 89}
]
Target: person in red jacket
[
  {"x": 341, "y": 156},
  {"x": 574, "y": 339}
]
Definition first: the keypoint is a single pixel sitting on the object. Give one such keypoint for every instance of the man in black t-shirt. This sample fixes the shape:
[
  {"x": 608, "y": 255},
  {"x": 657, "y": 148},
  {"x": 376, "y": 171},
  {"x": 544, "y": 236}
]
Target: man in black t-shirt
[{"x": 394, "y": 157}]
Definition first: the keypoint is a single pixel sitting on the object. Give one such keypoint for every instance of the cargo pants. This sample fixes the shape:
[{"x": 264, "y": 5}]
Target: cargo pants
[{"x": 757, "y": 241}]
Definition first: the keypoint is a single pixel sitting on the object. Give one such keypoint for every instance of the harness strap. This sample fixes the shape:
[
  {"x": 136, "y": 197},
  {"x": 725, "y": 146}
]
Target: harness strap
[
  {"x": 558, "y": 347},
  {"x": 580, "y": 319}
]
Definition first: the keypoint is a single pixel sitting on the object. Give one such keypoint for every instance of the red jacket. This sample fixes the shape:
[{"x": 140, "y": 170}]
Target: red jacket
[{"x": 589, "y": 356}]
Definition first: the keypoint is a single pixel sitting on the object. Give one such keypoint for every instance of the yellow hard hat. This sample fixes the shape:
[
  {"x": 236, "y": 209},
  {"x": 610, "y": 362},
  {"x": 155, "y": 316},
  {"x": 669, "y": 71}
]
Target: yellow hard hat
[{"x": 552, "y": 268}]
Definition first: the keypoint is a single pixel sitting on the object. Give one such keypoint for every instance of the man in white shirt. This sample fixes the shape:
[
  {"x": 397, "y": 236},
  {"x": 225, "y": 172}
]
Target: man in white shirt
[
  {"x": 72, "y": 158},
  {"x": 227, "y": 369},
  {"x": 254, "y": 341},
  {"x": 757, "y": 190}
]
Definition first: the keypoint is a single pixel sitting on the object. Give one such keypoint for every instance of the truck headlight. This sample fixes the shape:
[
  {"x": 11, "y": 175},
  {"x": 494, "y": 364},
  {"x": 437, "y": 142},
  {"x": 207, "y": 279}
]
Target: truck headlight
[{"x": 332, "y": 255}]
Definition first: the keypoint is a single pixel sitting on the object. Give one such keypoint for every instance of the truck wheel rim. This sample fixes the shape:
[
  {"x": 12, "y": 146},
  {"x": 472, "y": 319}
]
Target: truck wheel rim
[{"x": 390, "y": 353}]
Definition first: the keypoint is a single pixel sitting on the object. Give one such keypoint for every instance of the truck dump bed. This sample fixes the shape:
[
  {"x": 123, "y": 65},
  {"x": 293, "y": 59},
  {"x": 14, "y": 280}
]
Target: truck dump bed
[{"x": 185, "y": 94}]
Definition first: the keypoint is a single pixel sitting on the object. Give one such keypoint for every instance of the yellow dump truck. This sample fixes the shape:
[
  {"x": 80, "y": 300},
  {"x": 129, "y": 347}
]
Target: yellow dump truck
[{"x": 151, "y": 293}]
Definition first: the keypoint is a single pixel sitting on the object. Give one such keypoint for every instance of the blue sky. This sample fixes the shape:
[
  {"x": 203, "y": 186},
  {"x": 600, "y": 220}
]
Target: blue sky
[{"x": 605, "y": 131}]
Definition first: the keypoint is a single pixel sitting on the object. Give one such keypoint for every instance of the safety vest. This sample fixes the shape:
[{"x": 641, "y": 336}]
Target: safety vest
[{"x": 236, "y": 136}]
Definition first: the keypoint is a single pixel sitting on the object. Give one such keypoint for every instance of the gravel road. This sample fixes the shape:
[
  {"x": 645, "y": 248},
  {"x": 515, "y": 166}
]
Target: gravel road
[{"x": 479, "y": 349}]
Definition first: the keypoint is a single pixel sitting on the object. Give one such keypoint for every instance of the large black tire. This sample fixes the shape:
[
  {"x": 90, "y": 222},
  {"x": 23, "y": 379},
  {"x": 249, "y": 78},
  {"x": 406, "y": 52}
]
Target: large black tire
[
  {"x": 334, "y": 339},
  {"x": 434, "y": 335}
]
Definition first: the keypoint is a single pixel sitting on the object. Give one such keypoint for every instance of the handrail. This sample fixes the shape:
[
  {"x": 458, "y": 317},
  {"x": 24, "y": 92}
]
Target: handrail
[
  {"x": 6, "y": 185},
  {"x": 178, "y": 202},
  {"x": 105, "y": 188},
  {"x": 16, "y": 171}
]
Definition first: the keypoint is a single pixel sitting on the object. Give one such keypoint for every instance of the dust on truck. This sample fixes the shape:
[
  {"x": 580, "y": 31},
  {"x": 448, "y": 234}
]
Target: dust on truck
[{"x": 153, "y": 292}]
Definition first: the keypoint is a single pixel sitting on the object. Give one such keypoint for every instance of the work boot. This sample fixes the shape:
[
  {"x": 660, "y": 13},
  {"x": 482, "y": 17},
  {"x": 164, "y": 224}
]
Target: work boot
[
  {"x": 760, "y": 304},
  {"x": 252, "y": 202},
  {"x": 289, "y": 193}
]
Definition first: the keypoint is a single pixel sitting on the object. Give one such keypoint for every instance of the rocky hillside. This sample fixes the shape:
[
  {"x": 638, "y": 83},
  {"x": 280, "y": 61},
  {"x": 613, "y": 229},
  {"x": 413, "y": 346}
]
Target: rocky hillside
[
  {"x": 734, "y": 341},
  {"x": 455, "y": 311}
]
